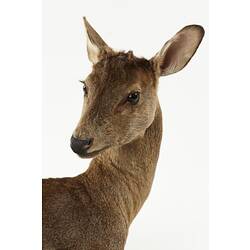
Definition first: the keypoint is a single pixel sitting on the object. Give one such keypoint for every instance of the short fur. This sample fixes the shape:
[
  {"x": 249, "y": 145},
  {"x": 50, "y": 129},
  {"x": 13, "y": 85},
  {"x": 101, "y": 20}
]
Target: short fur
[{"x": 93, "y": 211}]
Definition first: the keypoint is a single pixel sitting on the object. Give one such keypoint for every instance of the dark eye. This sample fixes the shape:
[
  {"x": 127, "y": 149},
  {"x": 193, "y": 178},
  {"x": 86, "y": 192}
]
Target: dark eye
[
  {"x": 133, "y": 97},
  {"x": 84, "y": 87}
]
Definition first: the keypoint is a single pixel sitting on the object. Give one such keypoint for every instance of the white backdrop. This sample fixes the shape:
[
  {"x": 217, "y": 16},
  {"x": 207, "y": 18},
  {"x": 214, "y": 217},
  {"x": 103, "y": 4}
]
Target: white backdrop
[{"x": 175, "y": 216}]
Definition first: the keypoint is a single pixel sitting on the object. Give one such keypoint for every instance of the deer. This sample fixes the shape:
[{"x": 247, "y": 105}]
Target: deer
[{"x": 121, "y": 129}]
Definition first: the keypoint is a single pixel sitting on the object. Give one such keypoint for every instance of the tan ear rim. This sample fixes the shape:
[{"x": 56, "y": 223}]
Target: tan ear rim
[
  {"x": 94, "y": 37},
  {"x": 95, "y": 43}
]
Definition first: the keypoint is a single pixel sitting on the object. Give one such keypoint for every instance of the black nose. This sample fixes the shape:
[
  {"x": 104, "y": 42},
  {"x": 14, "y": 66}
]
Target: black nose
[{"x": 79, "y": 146}]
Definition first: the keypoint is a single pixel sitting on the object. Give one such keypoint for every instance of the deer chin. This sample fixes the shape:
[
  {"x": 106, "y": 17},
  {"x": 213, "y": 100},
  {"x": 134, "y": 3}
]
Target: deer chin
[{"x": 92, "y": 154}]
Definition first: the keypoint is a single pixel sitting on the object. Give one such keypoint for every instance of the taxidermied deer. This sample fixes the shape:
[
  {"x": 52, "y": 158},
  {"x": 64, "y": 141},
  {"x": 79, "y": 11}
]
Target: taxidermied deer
[{"x": 121, "y": 127}]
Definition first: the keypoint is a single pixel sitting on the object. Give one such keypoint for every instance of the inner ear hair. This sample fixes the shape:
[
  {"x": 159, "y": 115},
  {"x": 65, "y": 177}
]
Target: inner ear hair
[{"x": 178, "y": 51}]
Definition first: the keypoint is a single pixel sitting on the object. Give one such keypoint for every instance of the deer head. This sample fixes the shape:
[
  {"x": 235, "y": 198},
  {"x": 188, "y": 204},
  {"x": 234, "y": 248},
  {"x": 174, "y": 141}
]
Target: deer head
[{"x": 120, "y": 94}]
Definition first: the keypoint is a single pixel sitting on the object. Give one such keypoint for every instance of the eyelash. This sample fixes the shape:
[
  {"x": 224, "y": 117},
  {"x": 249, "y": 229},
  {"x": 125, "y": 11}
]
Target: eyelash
[{"x": 84, "y": 87}]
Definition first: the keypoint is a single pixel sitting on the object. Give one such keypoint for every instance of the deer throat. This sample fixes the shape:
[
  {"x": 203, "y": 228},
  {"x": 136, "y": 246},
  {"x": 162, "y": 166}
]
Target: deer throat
[{"x": 123, "y": 176}]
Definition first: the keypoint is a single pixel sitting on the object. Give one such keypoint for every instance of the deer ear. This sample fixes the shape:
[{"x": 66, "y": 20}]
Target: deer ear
[
  {"x": 177, "y": 52},
  {"x": 96, "y": 47}
]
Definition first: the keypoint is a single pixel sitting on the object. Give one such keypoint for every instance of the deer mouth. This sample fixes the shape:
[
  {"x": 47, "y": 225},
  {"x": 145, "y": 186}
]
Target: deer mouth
[{"x": 92, "y": 154}]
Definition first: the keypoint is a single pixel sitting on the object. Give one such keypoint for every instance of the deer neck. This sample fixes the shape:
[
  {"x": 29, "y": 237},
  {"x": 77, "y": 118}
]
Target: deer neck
[{"x": 123, "y": 176}]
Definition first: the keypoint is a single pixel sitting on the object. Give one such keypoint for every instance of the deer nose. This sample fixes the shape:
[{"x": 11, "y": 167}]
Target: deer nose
[{"x": 79, "y": 146}]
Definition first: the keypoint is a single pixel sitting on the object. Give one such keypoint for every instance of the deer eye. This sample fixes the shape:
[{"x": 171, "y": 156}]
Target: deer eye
[{"x": 134, "y": 97}]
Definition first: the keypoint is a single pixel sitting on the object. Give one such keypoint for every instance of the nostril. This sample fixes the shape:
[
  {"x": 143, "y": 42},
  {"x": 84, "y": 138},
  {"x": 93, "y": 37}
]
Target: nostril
[{"x": 79, "y": 145}]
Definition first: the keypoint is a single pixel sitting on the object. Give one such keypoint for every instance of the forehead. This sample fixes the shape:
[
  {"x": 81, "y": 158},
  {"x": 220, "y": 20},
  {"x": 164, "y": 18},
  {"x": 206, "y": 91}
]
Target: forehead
[{"x": 121, "y": 69}]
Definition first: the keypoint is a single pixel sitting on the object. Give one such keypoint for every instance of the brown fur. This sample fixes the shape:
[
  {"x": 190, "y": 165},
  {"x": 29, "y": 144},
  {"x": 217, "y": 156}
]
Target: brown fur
[{"x": 93, "y": 210}]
